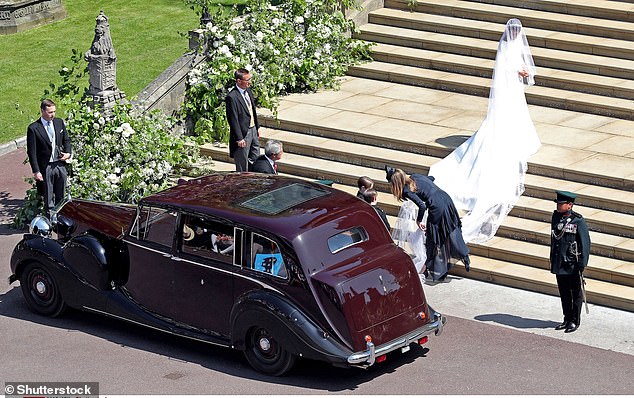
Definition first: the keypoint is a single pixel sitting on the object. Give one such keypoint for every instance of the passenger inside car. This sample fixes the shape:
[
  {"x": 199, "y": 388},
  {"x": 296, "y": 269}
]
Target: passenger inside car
[{"x": 222, "y": 243}]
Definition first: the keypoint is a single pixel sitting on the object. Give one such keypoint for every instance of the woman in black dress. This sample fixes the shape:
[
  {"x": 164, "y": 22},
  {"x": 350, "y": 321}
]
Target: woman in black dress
[{"x": 443, "y": 236}]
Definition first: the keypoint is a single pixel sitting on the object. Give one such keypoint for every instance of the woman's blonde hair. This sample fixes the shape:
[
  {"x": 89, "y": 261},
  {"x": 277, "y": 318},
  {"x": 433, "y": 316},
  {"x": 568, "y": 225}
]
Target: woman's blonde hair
[{"x": 398, "y": 181}]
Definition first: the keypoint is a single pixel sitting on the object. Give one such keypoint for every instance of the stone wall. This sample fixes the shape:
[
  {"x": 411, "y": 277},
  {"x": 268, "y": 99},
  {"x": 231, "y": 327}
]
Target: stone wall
[{"x": 20, "y": 15}]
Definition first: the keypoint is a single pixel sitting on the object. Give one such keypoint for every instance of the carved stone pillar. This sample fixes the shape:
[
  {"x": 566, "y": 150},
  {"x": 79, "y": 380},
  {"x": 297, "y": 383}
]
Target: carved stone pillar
[
  {"x": 102, "y": 67},
  {"x": 20, "y": 15}
]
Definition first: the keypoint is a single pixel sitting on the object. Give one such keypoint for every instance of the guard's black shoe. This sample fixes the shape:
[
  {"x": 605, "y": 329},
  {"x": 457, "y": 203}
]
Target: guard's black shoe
[
  {"x": 562, "y": 325},
  {"x": 571, "y": 327}
]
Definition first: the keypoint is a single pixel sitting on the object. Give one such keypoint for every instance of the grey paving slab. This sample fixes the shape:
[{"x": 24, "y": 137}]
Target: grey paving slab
[
  {"x": 617, "y": 126},
  {"x": 569, "y": 136},
  {"x": 321, "y": 98},
  {"x": 348, "y": 120},
  {"x": 587, "y": 121},
  {"x": 360, "y": 103},
  {"x": 412, "y": 111},
  {"x": 419, "y": 95},
  {"x": 509, "y": 307},
  {"x": 307, "y": 113}
]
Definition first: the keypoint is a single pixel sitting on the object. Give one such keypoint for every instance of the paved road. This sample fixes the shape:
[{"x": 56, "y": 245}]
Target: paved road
[{"x": 498, "y": 340}]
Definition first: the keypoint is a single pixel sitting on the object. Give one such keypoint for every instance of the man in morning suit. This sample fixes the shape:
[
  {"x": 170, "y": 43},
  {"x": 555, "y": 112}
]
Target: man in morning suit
[
  {"x": 267, "y": 163},
  {"x": 244, "y": 146},
  {"x": 48, "y": 148},
  {"x": 569, "y": 253}
]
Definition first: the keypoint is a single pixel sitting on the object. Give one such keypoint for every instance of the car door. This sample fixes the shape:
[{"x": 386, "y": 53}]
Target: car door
[
  {"x": 208, "y": 250},
  {"x": 152, "y": 268},
  {"x": 264, "y": 265}
]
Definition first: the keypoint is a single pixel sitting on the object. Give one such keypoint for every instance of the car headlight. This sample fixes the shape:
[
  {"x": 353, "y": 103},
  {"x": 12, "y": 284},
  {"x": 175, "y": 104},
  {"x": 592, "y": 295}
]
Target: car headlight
[{"x": 40, "y": 225}]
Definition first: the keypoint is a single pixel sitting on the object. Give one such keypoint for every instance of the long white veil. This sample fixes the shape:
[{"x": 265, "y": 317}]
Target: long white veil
[{"x": 485, "y": 175}]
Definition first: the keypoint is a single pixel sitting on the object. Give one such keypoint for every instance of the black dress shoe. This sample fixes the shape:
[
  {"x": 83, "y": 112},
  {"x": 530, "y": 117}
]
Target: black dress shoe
[
  {"x": 562, "y": 325},
  {"x": 571, "y": 327}
]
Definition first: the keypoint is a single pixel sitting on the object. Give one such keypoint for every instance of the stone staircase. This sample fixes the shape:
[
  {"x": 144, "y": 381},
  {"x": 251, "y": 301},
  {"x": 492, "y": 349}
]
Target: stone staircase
[{"x": 426, "y": 91}]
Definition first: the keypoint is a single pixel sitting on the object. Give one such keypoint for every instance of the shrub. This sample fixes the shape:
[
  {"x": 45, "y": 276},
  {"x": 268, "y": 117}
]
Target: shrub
[
  {"x": 122, "y": 157},
  {"x": 295, "y": 46}
]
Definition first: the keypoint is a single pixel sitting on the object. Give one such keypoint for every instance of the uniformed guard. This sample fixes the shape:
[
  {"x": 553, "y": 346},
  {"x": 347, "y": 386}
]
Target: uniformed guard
[{"x": 569, "y": 253}]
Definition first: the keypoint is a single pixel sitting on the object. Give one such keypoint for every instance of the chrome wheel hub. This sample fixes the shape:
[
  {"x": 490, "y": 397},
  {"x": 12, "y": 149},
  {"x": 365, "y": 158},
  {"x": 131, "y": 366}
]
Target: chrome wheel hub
[
  {"x": 265, "y": 344},
  {"x": 40, "y": 287}
]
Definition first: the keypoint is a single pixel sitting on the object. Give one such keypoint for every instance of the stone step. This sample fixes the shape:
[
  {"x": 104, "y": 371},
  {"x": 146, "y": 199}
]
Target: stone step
[
  {"x": 530, "y": 220},
  {"x": 607, "y": 222},
  {"x": 548, "y": 77},
  {"x": 472, "y": 28},
  {"x": 474, "y": 85},
  {"x": 616, "y": 29},
  {"x": 486, "y": 49},
  {"x": 616, "y": 10},
  {"x": 385, "y": 145},
  {"x": 540, "y": 280},
  {"x": 496, "y": 271},
  {"x": 536, "y": 255}
]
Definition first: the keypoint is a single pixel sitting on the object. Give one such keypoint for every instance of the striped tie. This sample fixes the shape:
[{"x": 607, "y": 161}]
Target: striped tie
[{"x": 248, "y": 102}]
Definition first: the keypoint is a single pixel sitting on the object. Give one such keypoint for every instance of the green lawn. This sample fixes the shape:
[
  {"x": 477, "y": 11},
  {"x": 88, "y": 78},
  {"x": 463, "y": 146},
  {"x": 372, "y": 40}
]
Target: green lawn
[{"x": 147, "y": 37}]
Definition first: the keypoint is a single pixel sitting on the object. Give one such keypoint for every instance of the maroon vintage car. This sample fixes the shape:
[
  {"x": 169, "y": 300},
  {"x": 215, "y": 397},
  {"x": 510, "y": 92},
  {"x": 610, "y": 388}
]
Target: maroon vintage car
[{"x": 277, "y": 267}]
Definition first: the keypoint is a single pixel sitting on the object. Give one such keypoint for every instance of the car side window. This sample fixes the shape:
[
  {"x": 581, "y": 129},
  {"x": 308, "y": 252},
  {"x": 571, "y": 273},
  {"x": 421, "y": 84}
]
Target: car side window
[
  {"x": 155, "y": 225},
  {"x": 207, "y": 238},
  {"x": 266, "y": 256},
  {"x": 346, "y": 239}
]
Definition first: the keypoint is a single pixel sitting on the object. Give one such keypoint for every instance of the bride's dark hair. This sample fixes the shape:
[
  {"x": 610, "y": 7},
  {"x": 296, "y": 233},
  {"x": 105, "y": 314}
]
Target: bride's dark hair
[{"x": 398, "y": 181}]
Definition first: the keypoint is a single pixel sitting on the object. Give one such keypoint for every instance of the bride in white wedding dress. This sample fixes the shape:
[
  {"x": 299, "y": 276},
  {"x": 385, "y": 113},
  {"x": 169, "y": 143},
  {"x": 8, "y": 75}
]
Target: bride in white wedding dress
[{"x": 485, "y": 175}]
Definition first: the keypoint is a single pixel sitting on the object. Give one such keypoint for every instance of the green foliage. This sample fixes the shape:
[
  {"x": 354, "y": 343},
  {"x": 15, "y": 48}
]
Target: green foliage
[
  {"x": 295, "y": 46},
  {"x": 122, "y": 157},
  {"x": 32, "y": 206}
]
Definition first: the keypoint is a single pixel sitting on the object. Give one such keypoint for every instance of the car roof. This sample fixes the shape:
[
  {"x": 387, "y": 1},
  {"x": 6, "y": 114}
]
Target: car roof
[{"x": 266, "y": 201}]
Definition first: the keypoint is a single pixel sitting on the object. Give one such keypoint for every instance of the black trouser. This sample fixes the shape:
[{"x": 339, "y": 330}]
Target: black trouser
[
  {"x": 244, "y": 157},
  {"x": 571, "y": 297},
  {"x": 54, "y": 185}
]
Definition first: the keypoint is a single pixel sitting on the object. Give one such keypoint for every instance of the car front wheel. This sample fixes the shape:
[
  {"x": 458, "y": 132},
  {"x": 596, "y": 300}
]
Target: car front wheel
[
  {"x": 41, "y": 291},
  {"x": 265, "y": 354}
]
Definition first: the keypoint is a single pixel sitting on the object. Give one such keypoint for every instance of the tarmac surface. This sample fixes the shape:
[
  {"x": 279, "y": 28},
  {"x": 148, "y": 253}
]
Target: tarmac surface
[{"x": 505, "y": 334}]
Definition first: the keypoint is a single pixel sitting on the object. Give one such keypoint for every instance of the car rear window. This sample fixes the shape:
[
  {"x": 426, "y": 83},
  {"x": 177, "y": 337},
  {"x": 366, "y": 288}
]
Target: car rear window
[
  {"x": 346, "y": 239},
  {"x": 284, "y": 198}
]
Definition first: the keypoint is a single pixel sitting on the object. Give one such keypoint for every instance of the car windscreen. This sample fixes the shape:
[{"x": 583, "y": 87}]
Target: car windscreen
[{"x": 284, "y": 198}]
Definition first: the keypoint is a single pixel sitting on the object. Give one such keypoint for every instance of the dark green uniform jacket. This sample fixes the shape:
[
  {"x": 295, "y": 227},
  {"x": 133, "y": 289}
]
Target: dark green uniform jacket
[{"x": 569, "y": 243}]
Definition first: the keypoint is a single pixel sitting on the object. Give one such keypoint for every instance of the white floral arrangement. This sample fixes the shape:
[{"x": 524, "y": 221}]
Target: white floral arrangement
[{"x": 295, "y": 46}]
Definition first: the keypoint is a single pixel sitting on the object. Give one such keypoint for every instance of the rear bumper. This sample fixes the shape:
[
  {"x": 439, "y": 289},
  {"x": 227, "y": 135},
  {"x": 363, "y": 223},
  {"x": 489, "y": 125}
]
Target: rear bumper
[{"x": 366, "y": 358}]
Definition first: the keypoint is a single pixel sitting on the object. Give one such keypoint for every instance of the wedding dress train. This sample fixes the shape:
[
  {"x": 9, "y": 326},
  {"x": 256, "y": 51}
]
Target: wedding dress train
[{"x": 485, "y": 175}]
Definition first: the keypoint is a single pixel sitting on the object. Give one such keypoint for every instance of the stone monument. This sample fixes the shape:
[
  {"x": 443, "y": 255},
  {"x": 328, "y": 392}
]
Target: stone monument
[
  {"x": 20, "y": 15},
  {"x": 102, "y": 67}
]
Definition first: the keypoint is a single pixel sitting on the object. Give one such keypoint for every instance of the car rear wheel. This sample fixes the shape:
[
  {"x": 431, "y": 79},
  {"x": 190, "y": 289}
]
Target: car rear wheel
[
  {"x": 41, "y": 291},
  {"x": 265, "y": 354}
]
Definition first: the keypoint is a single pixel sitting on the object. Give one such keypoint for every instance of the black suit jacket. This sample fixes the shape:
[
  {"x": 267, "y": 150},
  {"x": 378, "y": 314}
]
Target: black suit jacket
[
  {"x": 38, "y": 146},
  {"x": 262, "y": 165},
  {"x": 238, "y": 117}
]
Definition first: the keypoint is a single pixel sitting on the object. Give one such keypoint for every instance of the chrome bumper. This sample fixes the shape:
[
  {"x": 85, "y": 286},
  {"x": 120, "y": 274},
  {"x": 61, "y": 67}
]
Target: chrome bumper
[{"x": 366, "y": 358}]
